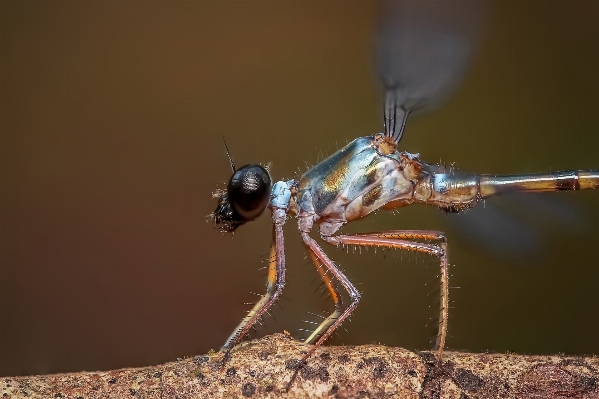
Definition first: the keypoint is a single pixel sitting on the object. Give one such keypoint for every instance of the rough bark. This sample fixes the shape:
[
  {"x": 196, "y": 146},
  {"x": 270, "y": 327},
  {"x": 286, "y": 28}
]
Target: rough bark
[{"x": 262, "y": 368}]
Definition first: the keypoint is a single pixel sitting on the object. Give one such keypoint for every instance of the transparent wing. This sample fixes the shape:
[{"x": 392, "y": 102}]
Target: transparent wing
[
  {"x": 517, "y": 226},
  {"x": 422, "y": 51}
]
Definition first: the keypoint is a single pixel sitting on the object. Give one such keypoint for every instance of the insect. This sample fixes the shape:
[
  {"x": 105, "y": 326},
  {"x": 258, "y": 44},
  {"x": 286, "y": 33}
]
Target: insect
[{"x": 422, "y": 51}]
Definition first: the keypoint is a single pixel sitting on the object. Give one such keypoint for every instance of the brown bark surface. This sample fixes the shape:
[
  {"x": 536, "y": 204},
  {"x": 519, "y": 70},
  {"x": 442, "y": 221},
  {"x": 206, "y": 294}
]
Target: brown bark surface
[{"x": 262, "y": 368}]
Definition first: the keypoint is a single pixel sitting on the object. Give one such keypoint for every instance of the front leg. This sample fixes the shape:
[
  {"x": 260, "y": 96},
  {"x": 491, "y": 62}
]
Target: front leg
[{"x": 274, "y": 287}]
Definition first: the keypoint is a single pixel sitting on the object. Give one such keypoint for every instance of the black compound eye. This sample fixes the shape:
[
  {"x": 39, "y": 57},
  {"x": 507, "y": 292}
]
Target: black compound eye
[{"x": 248, "y": 191}]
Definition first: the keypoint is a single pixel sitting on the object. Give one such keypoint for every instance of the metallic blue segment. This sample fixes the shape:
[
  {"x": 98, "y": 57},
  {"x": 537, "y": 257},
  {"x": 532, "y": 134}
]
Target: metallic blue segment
[
  {"x": 440, "y": 183},
  {"x": 281, "y": 194},
  {"x": 341, "y": 174}
]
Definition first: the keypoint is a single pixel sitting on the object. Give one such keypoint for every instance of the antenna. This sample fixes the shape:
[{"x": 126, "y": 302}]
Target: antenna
[{"x": 229, "y": 156}]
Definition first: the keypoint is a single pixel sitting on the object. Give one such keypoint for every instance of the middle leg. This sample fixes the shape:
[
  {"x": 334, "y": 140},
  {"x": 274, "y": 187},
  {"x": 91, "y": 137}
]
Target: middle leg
[{"x": 333, "y": 292}]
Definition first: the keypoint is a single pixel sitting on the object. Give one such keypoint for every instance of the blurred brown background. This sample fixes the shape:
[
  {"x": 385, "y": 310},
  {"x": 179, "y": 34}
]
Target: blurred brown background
[{"x": 112, "y": 119}]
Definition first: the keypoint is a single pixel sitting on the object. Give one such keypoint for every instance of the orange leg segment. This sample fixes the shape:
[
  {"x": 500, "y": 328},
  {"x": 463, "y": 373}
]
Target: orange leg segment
[{"x": 274, "y": 287}]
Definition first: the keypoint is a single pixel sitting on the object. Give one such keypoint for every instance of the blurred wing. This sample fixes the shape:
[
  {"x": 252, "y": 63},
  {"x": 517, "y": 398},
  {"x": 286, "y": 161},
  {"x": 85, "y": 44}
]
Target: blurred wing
[
  {"x": 422, "y": 51},
  {"x": 517, "y": 226}
]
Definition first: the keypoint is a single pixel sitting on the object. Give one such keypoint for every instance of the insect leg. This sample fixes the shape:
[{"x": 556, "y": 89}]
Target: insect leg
[
  {"x": 274, "y": 287},
  {"x": 354, "y": 296},
  {"x": 399, "y": 239},
  {"x": 334, "y": 271},
  {"x": 328, "y": 281}
]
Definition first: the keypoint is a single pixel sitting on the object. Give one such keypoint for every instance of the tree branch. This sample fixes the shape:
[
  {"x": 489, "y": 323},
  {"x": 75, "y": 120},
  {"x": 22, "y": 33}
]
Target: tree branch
[{"x": 262, "y": 368}]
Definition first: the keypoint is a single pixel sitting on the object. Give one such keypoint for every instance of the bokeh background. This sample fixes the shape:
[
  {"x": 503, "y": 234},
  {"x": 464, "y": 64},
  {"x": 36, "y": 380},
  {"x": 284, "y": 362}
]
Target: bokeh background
[{"x": 112, "y": 121}]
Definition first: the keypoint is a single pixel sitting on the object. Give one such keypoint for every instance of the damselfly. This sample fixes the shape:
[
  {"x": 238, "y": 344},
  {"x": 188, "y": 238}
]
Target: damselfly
[{"x": 422, "y": 51}]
